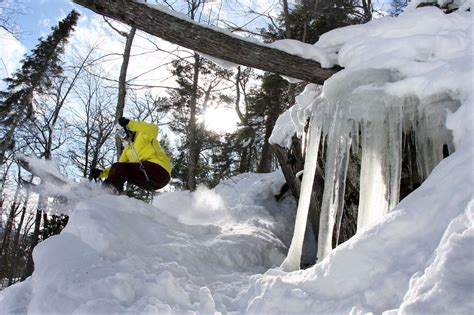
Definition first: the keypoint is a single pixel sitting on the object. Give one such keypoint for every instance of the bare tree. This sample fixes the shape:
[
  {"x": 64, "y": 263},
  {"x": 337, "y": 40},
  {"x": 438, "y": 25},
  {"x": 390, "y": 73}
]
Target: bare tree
[
  {"x": 248, "y": 132},
  {"x": 8, "y": 13},
  {"x": 7, "y": 231},
  {"x": 122, "y": 83},
  {"x": 17, "y": 266},
  {"x": 146, "y": 107},
  {"x": 44, "y": 140},
  {"x": 93, "y": 126}
]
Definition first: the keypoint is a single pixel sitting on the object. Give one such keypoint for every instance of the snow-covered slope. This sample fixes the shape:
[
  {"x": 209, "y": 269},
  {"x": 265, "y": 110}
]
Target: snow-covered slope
[
  {"x": 418, "y": 259},
  {"x": 210, "y": 250},
  {"x": 188, "y": 252}
]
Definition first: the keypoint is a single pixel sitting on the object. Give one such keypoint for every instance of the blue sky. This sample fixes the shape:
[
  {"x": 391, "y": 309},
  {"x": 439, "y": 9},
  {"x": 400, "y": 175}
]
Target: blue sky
[
  {"x": 36, "y": 19},
  {"x": 39, "y": 16}
]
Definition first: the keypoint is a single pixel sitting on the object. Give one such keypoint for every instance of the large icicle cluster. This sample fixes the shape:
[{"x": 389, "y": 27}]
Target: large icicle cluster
[
  {"x": 377, "y": 103},
  {"x": 362, "y": 116}
]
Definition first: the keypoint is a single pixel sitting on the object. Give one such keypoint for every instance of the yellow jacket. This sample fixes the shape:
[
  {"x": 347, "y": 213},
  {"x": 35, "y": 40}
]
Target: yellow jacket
[{"x": 147, "y": 147}]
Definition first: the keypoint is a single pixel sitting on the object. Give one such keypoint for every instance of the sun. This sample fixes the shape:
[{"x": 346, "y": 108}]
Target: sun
[{"x": 220, "y": 120}]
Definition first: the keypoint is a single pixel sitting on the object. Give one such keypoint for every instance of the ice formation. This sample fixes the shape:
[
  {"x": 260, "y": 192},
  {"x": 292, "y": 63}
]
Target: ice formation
[
  {"x": 293, "y": 259},
  {"x": 377, "y": 102}
]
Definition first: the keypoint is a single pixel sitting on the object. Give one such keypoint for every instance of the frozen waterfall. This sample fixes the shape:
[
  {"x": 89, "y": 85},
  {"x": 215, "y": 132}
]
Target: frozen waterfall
[{"x": 356, "y": 114}]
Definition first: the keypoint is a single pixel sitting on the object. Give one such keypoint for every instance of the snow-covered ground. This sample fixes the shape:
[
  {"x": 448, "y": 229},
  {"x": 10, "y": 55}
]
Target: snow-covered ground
[
  {"x": 220, "y": 249},
  {"x": 187, "y": 252}
]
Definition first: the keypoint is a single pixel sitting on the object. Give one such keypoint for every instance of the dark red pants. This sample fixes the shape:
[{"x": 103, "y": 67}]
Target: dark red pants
[{"x": 131, "y": 172}]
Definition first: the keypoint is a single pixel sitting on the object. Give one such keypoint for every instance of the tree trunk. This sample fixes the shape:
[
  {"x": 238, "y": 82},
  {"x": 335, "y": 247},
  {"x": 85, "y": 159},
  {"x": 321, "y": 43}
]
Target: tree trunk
[
  {"x": 122, "y": 84},
  {"x": 192, "y": 129},
  {"x": 265, "y": 164},
  {"x": 294, "y": 184},
  {"x": 16, "y": 240},
  {"x": 245, "y": 151},
  {"x": 42, "y": 202},
  {"x": 367, "y": 7},
  {"x": 286, "y": 12},
  {"x": 210, "y": 41}
]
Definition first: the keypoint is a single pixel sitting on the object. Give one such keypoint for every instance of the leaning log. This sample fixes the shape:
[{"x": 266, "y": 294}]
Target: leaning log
[{"x": 210, "y": 41}]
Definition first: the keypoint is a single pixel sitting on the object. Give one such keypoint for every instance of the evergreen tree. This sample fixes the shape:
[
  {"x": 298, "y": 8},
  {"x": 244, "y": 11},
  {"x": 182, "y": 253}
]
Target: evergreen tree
[
  {"x": 267, "y": 103},
  {"x": 397, "y": 7},
  {"x": 17, "y": 104},
  {"x": 225, "y": 159},
  {"x": 193, "y": 135},
  {"x": 310, "y": 19}
]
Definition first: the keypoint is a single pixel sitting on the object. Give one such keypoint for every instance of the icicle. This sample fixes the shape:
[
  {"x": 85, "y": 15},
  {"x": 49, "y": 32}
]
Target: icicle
[
  {"x": 395, "y": 134},
  {"x": 431, "y": 133},
  {"x": 355, "y": 138},
  {"x": 373, "y": 203},
  {"x": 423, "y": 146},
  {"x": 335, "y": 179},
  {"x": 292, "y": 261}
]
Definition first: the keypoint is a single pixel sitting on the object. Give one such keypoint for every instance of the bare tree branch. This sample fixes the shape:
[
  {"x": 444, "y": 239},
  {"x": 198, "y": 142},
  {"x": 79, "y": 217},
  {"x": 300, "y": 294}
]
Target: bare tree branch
[{"x": 121, "y": 33}]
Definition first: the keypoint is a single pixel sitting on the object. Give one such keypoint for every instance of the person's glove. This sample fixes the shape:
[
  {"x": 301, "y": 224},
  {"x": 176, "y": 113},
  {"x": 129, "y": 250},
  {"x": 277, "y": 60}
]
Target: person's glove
[
  {"x": 95, "y": 173},
  {"x": 123, "y": 121}
]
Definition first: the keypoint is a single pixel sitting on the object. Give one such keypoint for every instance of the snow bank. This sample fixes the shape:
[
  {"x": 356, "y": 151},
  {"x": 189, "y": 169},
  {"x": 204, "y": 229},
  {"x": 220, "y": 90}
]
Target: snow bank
[
  {"x": 412, "y": 260},
  {"x": 304, "y": 50}
]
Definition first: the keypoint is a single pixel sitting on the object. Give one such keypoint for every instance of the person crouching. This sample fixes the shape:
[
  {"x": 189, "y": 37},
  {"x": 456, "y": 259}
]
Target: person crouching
[{"x": 142, "y": 162}]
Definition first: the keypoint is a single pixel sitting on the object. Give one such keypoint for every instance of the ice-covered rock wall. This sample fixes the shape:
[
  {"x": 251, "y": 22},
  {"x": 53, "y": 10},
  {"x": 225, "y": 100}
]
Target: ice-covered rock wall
[{"x": 398, "y": 82}]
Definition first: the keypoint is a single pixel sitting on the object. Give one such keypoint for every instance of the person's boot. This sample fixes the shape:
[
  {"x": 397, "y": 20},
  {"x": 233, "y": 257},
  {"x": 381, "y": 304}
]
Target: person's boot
[{"x": 110, "y": 188}]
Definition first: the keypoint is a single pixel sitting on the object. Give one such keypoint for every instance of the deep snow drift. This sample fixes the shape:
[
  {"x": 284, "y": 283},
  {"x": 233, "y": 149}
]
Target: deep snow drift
[
  {"x": 189, "y": 252},
  {"x": 211, "y": 250}
]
